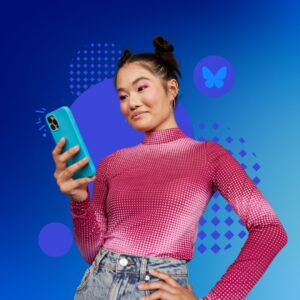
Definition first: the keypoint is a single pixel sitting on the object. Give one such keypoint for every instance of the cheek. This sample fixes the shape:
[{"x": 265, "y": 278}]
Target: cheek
[
  {"x": 123, "y": 109},
  {"x": 150, "y": 98}
]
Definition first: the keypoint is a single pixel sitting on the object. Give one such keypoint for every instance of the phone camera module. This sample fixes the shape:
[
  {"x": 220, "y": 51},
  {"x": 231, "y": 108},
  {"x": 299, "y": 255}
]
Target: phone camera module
[{"x": 53, "y": 122}]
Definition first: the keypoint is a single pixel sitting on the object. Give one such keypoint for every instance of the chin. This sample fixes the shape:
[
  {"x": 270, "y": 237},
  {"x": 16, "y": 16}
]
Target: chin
[{"x": 141, "y": 127}]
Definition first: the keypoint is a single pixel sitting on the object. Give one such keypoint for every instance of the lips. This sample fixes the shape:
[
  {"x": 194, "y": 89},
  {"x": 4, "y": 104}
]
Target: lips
[{"x": 137, "y": 113}]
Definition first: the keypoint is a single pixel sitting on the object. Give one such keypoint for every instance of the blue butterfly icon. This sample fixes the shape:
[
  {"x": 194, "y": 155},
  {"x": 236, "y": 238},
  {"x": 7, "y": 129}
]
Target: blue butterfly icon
[{"x": 211, "y": 79}]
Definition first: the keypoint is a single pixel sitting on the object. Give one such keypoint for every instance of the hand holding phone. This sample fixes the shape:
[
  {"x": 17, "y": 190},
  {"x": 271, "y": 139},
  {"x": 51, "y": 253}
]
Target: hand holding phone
[
  {"x": 70, "y": 163},
  {"x": 77, "y": 189}
]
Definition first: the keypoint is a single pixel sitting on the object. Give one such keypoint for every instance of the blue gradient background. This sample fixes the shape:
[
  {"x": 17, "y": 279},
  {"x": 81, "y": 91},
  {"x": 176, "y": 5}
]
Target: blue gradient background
[{"x": 261, "y": 39}]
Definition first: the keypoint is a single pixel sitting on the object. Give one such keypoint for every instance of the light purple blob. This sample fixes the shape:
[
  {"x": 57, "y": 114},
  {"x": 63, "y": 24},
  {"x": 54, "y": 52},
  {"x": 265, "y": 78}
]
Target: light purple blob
[{"x": 55, "y": 239}]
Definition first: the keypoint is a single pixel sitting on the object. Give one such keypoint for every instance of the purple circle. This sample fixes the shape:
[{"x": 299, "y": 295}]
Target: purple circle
[
  {"x": 214, "y": 76},
  {"x": 55, "y": 239}
]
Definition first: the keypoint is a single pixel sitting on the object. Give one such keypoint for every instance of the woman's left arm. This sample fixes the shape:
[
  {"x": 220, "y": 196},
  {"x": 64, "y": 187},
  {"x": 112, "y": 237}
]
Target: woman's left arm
[{"x": 267, "y": 235}]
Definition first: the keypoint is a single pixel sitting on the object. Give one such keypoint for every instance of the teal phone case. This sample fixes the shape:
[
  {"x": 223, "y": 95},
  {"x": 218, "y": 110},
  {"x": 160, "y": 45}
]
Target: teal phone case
[{"x": 62, "y": 123}]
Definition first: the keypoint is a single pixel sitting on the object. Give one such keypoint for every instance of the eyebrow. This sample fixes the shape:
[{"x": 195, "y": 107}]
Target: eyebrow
[{"x": 134, "y": 82}]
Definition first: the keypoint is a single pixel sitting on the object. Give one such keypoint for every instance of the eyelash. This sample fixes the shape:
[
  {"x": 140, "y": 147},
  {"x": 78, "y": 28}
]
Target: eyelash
[{"x": 142, "y": 86}]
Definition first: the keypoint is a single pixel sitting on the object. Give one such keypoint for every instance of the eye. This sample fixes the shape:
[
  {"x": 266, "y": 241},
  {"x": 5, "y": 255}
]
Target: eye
[
  {"x": 139, "y": 89},
  {"x": 142, "y": 86}
]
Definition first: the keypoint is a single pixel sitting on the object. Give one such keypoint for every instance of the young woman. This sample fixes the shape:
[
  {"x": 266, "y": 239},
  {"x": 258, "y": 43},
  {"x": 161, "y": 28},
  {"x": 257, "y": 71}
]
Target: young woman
[{"x": 148, "y": 199}]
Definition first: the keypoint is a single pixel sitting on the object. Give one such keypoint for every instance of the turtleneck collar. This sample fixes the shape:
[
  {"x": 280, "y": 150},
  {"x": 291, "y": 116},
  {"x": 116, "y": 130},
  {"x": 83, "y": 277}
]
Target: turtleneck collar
[{"x": 163, "y": 136}]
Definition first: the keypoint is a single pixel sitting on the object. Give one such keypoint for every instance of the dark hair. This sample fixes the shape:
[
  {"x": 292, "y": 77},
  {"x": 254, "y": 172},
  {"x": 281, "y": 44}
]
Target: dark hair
[{"x": 161, "y": 63}]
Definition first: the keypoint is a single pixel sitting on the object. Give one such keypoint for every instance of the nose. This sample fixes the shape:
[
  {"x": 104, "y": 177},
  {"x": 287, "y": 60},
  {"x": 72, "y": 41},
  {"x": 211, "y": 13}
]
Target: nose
[{"x": 133, "y": 101}]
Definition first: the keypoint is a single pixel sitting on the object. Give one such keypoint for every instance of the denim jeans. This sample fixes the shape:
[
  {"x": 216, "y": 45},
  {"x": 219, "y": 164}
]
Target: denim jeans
[{"x": 114, "y": 276}]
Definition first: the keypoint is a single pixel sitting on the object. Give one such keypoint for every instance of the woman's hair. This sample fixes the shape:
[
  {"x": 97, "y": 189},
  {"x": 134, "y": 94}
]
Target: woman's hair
[{"x": 162, "y": 63}]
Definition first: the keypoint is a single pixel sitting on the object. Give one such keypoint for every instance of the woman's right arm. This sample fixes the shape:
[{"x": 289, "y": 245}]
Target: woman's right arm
[{"x": 89, "y": 218}]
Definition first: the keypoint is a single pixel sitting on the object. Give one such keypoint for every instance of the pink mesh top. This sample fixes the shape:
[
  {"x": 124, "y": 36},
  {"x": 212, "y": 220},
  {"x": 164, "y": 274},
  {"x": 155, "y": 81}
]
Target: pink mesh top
[{"x": 148, "y": 199}]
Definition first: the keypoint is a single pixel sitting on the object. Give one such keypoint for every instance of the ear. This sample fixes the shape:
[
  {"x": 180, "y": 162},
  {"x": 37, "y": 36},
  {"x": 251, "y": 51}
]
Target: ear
[{"x": 172, "y": 89}]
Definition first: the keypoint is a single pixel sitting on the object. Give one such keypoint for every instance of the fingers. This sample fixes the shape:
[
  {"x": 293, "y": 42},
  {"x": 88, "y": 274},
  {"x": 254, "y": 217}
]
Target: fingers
[
  {"x": 166, "y": 284},
  {"x": 68, "y": 154},
  {"x": 157, "y": 285},
  {"x": 69, "y": 171},
  {"x": 63, "y": 174},
  {"x": 58, "y": 148},
  {"x": 84, "y": 180},
  {"x": 60, "y": 165},
  {"x": 72, "y": 185},
  {"x": 164, "y": 276},
  {"x": 56, "y": 154},
  {"x": 61, "y": 159}
]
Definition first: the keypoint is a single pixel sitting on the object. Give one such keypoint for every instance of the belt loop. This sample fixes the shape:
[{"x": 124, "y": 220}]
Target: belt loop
[
  {"x": 117, "y": 255},
  {"x": 143, "y": 268},
  {"x": 102, "y": 252}
]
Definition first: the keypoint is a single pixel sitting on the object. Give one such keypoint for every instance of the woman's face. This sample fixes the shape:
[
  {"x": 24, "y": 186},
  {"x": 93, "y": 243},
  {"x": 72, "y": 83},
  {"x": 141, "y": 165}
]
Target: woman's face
[{"x": 139, "y": 90}]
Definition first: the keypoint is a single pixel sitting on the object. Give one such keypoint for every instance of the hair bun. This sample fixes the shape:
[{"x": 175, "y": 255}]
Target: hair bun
[
  {"x": 126, "y": 54},
  {"x": 162, "y": 46}
]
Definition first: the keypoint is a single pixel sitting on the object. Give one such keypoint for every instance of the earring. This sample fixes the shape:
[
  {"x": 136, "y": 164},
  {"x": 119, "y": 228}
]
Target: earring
[{"x": 174, "y": 100}]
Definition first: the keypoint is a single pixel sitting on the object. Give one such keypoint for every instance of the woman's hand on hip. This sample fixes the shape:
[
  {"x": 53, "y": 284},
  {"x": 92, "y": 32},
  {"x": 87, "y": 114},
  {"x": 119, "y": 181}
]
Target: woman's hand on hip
[{"x": 168, "y": 288}]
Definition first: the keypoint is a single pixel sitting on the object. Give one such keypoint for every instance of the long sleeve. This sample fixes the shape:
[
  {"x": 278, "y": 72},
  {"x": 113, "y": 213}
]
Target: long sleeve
[
  {"x": 267, "y": 235},
  {"x": 89, "y": 217}
]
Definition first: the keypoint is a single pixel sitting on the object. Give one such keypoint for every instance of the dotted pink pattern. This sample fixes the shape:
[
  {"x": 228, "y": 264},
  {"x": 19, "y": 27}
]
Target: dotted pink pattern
[{"x": 148, "y": 200}]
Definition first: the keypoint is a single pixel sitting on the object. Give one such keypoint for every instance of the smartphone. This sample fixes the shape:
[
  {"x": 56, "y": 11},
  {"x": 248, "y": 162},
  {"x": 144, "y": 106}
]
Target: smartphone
[{"x": 62, "y": 123}]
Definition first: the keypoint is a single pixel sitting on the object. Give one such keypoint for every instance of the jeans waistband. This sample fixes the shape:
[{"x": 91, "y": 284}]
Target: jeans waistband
[{"x": 121, "y": 262}]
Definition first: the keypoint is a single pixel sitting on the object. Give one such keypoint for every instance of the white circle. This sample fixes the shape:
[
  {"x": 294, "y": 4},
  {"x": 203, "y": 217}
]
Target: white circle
[{"x": 123, "y": 261}]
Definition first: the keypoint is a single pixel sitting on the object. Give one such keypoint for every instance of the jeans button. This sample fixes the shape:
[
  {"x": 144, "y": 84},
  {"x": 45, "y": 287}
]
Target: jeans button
[
  {"x": 147, "y": 277},
  {"x": 123, "y": 262}
]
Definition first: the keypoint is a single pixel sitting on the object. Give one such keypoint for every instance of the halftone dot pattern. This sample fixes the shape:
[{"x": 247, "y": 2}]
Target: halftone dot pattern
[
  {"x": 266, "y": 234},
  {"x": 55, "y": 239},
  {"x": 92, "y": 64},
  {"x": 220, "y": 225}
]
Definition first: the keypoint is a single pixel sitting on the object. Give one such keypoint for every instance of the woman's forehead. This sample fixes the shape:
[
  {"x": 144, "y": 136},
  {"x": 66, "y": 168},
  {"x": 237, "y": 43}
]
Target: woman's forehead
[
  {"x": 128, "y": 75},
  {"x": 135, "y": 69}
]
